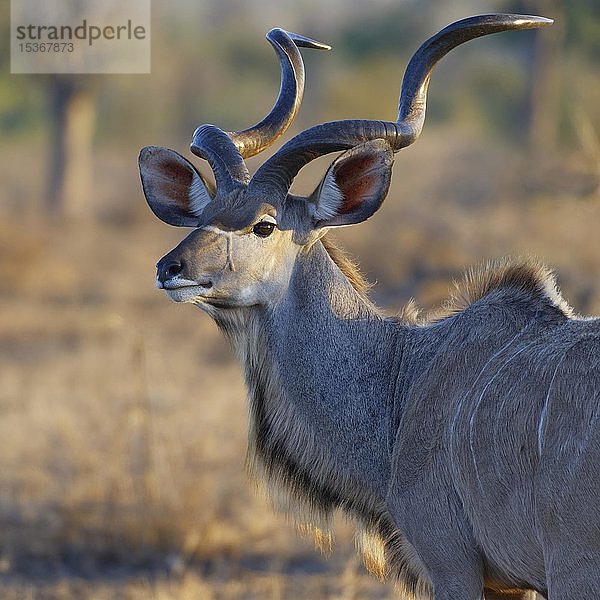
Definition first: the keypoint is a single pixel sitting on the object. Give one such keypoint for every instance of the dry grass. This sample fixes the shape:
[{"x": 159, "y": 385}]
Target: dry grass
[
  {"x": 123, "y": 428},
  {"x": 122, "y": 415}
]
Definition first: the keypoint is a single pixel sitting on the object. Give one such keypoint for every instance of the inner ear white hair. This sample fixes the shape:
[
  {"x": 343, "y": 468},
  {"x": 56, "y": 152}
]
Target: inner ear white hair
[
  {"x": 330, "y": 201},
  {"x": 354, "y": 186},
  {"x": 199, "y": 195},
  {"x": 174, "y": 189}
]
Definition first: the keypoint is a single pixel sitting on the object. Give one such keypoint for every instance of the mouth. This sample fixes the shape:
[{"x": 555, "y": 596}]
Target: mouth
[
  {"x": 177, "y": 284},
  {"x": 183, "y": 290},
  {"x": 194, "y": 292}
]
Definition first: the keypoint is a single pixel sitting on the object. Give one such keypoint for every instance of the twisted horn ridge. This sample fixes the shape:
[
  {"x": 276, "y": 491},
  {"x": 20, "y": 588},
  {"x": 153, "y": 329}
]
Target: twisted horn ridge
[
  {"x": 225, "y": 151},
  {"x": 276, "y": 174},
  {"x": 215, "y": 146},
  {"x": 255, "y": 139}
]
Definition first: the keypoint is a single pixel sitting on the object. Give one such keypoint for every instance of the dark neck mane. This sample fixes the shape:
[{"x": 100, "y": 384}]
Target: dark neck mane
[{"x": 346, "y": 265}]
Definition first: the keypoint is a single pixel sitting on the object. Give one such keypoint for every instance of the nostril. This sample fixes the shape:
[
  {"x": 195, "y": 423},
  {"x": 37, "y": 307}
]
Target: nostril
[
  {"x": 174, "y": 269},
  {"x": 169, "y": 268}
]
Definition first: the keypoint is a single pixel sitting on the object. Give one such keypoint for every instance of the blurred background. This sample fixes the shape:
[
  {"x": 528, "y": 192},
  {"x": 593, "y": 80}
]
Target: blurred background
[{"x": 122, "y": 415}]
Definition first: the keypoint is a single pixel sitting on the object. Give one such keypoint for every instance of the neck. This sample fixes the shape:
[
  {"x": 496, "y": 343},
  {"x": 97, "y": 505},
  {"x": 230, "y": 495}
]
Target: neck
[{"x": 318, "y": 368}]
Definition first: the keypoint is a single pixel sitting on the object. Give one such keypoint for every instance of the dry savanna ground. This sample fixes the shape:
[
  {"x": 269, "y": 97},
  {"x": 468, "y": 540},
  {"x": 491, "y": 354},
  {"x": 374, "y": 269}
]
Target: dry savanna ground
[{"x": 123, "y": 420}]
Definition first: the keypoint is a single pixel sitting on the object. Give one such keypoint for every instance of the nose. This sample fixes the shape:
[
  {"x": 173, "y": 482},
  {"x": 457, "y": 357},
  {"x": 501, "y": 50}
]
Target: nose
[{"x": 168, "y": 268}]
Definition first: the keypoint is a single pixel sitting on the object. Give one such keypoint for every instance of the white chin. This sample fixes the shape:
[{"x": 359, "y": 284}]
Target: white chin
[{"x": 183, "y": 294}]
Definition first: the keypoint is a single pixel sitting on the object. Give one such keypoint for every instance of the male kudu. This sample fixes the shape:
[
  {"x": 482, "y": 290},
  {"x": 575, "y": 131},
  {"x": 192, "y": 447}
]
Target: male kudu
[{"x": 466, "y": 447}]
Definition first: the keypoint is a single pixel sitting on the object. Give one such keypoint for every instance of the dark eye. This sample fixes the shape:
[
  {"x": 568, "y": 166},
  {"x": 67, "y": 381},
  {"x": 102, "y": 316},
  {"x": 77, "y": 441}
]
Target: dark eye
[{"x": 263, "y": 229}]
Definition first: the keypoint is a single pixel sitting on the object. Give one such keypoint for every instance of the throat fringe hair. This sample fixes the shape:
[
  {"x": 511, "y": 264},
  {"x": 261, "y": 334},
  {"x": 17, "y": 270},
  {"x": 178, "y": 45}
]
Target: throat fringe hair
[{"x": 286, "y": 461}]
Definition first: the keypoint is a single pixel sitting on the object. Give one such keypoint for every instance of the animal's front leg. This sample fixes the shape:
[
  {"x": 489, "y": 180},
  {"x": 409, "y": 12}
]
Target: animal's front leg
[
  {"x": 452, "y": 586},
  {"x": 428, "y": 511},
  {"x": 439, "y": 546}
]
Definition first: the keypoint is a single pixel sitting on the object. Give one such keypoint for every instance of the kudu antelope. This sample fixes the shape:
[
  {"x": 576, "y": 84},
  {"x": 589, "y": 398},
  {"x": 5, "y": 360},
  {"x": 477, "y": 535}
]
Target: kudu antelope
[{"x": 466, "y": 447}]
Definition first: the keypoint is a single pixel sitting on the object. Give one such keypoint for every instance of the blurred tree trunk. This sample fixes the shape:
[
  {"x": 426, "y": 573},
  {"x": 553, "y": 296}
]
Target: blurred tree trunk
[
  {"x": 72, "y": 115},
  {"x": 546, "y": 82}
]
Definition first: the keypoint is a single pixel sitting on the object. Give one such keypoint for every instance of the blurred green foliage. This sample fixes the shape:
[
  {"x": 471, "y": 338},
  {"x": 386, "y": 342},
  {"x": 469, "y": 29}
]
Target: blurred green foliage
[
  {"x": 394, "y": 31},
  {"x": 583, "y": 27}
]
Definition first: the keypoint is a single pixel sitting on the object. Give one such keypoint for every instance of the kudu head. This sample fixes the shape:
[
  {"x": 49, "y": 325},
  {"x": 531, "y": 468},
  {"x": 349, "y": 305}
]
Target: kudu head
[{"x": 250, "y": 230}]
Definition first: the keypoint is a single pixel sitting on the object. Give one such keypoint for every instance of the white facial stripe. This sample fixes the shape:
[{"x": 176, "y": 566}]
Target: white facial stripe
[
  {"x": 214, "y": 229},
  {"x": 218, "y": 231},
  {"x": 230, "y": 264}
]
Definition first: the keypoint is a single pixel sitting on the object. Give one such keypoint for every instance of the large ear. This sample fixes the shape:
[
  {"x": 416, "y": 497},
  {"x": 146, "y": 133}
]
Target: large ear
[
  {"x": 175, "y": 191},
  {"x": 354, "y": 186}
]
